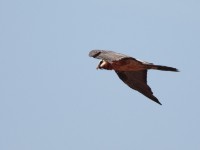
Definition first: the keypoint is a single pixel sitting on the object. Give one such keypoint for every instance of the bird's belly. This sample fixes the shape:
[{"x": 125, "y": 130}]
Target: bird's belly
[{"x": 127, "y": 65}]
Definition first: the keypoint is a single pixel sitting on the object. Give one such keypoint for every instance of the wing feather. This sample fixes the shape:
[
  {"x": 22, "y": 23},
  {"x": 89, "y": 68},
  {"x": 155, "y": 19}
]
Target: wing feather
[
  {"x": 107, "y": 55},
  {"x": 111, "y": 56},
  {"x": 137, "y": 80}
]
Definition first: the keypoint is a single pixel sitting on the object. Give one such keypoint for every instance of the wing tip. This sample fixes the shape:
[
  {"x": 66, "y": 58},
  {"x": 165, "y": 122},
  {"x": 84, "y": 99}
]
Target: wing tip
[
  {"x": 155, "y": 100},
  {"x": 159, "y": 103},
  {"x": 94, "y": 53}
]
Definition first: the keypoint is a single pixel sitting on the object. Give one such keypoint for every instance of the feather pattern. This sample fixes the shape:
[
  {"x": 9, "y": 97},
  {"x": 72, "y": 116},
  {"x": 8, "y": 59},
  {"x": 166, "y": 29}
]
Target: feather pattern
[{"x": 137, "y": 80}]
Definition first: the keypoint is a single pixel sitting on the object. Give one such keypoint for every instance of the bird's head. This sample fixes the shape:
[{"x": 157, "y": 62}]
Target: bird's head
[{"x": 99, "y": 65}]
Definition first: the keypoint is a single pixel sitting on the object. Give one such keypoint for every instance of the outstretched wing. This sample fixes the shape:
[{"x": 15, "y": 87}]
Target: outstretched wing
[
  {"x": 137, "y": 80},
  {"x": 107, "y": 55},
  {"x": 111, "y": 56}
]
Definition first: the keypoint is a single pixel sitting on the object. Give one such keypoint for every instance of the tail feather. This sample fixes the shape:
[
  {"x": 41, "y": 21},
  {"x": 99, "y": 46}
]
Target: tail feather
[{"x": 164, "y": 68}]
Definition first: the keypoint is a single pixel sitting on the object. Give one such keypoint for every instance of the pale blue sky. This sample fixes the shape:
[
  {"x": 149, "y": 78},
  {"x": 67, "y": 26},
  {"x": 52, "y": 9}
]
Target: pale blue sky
[{"x": 53, "y": 98}]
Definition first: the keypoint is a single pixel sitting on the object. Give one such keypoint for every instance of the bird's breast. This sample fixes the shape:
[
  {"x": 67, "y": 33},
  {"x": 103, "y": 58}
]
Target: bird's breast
[{"x": 127, "y": 65}]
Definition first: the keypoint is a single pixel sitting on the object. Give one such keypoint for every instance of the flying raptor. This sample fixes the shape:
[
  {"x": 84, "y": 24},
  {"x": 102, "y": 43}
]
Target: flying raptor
[{"x": 131, "y": 71}]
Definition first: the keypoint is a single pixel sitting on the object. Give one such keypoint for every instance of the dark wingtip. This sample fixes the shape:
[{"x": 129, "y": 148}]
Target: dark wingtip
[
  {"x": 94, "y": 53},
  {"x": 155, "y": 100},
  {"x": 159, "y": 103}
]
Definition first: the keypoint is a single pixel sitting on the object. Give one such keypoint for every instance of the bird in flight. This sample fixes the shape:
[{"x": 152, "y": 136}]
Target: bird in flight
[{"x": 131, "y": 71}]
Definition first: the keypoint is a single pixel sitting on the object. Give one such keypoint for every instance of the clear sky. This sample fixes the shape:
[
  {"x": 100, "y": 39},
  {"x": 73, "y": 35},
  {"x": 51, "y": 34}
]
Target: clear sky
[{"x": 52, "y": 97}]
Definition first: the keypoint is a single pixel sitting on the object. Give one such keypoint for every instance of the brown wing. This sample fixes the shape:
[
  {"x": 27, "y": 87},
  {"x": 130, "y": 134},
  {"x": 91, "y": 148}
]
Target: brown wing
[{"x": 137, "y": 80}]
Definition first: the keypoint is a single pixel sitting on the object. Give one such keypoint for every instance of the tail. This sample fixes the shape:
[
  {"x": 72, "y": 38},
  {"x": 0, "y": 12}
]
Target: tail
[{"x": 163, "y": 68}]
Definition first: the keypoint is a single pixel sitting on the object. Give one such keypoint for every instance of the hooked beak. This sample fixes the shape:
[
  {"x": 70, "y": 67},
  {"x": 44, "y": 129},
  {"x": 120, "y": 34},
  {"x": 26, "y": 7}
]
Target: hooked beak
[{"x": 99, "y": 65}]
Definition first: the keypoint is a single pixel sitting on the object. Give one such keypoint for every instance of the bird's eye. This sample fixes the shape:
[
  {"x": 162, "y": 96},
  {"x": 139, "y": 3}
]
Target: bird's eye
[{"x": 100, "y": 62}]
